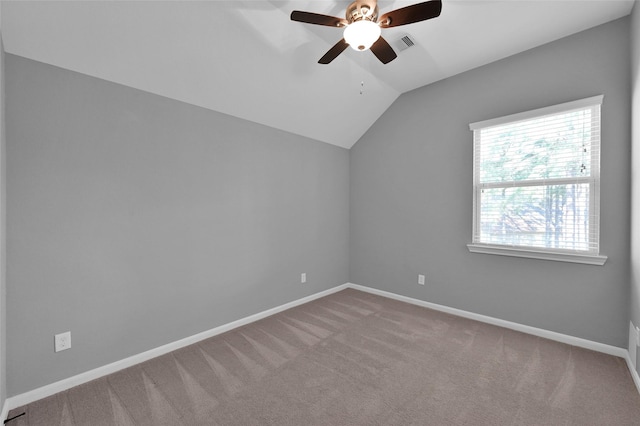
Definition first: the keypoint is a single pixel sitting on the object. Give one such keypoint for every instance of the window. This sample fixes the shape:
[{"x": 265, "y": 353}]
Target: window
[{"x": 536, "y": 183}]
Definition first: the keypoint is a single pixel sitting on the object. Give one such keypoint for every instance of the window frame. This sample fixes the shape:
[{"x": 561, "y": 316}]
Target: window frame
[{"x": 592, "y": 257}]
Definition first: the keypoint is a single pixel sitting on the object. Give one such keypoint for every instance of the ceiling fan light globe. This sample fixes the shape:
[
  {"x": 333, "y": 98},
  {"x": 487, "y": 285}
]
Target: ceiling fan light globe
[{"x": 361, "y": 35}]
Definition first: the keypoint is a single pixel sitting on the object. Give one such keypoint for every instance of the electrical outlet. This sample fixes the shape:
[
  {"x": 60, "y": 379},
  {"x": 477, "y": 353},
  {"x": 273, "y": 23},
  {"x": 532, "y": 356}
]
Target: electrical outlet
[
  {"x": 303, "y": 277},
  {"x": 62, "y": 341},
  {"x": 421, "y": 279}
]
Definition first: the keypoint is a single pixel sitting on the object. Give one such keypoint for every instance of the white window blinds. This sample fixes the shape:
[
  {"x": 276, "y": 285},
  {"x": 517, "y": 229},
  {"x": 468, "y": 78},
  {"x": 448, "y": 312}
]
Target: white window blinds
[{"x": 537, "y": 179}]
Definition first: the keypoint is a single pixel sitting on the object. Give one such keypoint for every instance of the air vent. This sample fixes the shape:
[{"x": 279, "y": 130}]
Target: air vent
[{"x": 403, "y": 43}]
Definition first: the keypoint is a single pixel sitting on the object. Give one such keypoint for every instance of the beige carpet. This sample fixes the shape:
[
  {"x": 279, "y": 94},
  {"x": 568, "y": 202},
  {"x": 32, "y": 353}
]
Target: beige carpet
[{"x": 353, "y": 358}]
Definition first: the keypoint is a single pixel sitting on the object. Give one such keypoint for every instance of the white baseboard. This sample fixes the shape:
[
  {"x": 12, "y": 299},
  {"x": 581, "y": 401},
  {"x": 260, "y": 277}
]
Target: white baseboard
[
  {"x": 634, "y": 373},
  {"x": 632, "y": 353},
  {"x": 552, "y": 335},
  {"x": 5, "y": 410},
  {"x": 62, "y": 385},
  {"x": 633, "y": 343}
]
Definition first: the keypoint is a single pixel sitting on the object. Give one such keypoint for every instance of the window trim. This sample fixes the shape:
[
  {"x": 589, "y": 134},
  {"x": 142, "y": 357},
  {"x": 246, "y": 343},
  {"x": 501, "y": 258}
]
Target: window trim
[
  {"x": 553, "y": 109},
  {"x": 532, "y": 253},
  {"x": 591, "y": 258}
]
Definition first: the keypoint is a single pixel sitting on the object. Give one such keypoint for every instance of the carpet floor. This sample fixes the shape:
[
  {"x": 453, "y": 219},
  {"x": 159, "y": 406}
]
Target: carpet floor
[{"x": 353, "y": 358}]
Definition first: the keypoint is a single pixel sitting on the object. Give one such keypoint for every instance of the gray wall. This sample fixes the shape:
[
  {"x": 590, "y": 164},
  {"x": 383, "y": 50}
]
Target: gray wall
[
  {"x": 411, "y": 192},
  {"x": 635, "y": 168},
  {"x": 3, "y": 245},
  {"x": 135, "y": 220}
]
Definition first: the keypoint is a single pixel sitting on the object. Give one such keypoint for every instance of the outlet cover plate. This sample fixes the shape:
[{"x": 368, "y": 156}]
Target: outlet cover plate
[{"x": 62, "y": 341}]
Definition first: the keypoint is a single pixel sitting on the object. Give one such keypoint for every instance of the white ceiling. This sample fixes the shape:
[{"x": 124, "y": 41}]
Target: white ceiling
[{"x": 247, "y": 59}]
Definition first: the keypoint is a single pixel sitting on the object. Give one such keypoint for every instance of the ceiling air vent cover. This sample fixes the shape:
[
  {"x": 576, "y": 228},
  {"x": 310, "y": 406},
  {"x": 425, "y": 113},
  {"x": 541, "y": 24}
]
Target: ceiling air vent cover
[{"x": 403, "y": 43}]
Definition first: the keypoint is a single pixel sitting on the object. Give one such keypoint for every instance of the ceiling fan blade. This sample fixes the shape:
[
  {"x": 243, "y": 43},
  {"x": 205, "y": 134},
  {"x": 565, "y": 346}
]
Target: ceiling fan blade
[
  {"x": 333, "y": 53},
  {"x": 317, "y": 19},
  {"x": 383, "y": 51},
  {"x": 411, "y": 14}
]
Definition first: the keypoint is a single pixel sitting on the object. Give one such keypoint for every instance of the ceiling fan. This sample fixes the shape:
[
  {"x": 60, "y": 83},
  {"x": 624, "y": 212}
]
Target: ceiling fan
[{"x": 362, "y": 27}]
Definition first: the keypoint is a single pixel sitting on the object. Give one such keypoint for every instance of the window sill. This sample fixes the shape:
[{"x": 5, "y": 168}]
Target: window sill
[{"x": 589, "y": 259}]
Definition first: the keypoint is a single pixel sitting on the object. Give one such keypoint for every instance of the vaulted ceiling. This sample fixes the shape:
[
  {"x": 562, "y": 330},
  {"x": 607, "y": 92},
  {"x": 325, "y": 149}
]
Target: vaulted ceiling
[{"x": 249, "y": 60}]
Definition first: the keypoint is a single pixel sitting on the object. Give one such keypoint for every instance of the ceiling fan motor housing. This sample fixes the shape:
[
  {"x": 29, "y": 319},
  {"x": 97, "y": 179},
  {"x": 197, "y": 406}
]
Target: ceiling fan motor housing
[{"x": 362, "y": 10}]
